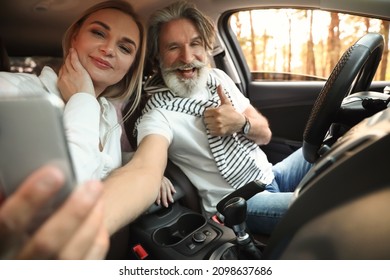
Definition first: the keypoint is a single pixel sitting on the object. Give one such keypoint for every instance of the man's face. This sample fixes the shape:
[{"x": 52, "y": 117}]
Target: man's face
[{"x": 183, "y": 57}]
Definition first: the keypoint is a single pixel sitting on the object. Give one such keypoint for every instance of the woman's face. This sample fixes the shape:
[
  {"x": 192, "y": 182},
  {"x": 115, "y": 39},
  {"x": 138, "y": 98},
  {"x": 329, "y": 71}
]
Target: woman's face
[{"x": 107, "y": 44}]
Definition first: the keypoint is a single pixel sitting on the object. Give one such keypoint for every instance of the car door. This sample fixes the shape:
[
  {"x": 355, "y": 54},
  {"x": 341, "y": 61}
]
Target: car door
[{"x": 285, "y": 95}]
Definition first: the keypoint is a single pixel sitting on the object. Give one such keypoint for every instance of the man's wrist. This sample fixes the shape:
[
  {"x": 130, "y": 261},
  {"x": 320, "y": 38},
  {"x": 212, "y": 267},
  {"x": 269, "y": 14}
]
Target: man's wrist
[{"x": 246, "y": 127}]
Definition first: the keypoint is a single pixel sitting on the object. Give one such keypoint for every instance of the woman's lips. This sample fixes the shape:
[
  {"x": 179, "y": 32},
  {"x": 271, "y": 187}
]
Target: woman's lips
[{"x": 101, "y": 63}]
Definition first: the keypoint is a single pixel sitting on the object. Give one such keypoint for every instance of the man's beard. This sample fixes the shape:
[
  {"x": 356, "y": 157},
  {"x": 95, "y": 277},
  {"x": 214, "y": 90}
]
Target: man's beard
[{"x": 185, "y": 87}]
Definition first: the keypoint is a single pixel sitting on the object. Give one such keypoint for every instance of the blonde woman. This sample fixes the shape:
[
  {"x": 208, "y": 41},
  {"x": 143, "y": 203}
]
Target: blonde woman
[{"x": 103, "y": 64}]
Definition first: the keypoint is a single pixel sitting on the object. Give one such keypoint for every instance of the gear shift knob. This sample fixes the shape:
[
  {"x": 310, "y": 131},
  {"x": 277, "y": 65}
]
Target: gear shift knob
[
  {"x": 235, "y": 216},
  {"x": 235, "y": 211}
]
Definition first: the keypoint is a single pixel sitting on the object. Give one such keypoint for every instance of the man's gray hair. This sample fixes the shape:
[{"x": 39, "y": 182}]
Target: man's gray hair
[{"x": 178, "y": 10}]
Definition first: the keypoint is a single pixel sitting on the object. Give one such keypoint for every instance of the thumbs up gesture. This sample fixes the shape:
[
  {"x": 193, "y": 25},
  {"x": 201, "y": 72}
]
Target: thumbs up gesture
[{"x": 223, "y": 120}]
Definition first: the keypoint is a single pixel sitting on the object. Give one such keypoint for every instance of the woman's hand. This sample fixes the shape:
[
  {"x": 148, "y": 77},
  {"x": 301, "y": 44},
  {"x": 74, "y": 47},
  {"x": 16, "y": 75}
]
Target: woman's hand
[
  {"x": 74, "y": 231},
  {"x": 165, "y": 196},
  {"x": 73, "y": 77}
]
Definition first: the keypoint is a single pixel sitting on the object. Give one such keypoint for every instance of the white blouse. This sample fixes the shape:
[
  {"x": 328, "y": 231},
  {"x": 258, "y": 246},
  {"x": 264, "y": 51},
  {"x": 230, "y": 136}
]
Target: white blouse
[{"x": 90, "y": 123}]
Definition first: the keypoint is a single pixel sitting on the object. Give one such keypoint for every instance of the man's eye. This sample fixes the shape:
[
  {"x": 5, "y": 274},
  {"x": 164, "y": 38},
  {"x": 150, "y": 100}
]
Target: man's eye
[
  {"x": 197, "y": 43},
  {"x": 171, "y": 48}
]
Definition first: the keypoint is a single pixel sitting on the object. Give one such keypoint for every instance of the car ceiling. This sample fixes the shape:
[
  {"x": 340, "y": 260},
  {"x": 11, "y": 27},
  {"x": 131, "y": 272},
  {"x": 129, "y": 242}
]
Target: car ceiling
[{"x": 36, "y": 27}]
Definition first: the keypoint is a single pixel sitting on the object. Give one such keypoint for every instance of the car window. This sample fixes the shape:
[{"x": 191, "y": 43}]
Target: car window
[
  {"x": 295, "y": 44},
  {"x": 34, "y": 64}
]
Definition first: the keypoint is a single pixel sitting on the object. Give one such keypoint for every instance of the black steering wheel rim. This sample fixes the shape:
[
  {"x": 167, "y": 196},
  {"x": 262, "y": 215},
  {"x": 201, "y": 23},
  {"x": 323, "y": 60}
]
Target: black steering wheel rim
[{"x": 353, "y": 72}]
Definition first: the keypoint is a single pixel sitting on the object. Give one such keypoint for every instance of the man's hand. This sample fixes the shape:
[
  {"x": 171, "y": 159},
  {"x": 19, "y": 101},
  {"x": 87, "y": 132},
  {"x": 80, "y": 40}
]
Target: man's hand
[
  {"x": 73, "y": 77},
  {"x": 223, "y": 120}
]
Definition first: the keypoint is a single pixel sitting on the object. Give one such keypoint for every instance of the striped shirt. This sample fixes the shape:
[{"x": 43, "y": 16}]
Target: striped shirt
[{"x": 232, "y": 154}]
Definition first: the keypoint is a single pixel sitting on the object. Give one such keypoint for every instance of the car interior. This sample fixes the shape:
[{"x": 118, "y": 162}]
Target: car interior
[
  {"x": 340, "y": 118},
  {"x": 337, "y": 180}
]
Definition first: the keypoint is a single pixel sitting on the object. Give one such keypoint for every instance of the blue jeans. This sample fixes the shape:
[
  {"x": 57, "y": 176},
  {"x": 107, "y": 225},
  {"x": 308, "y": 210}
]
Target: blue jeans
[{"x": 265, "y": 209}]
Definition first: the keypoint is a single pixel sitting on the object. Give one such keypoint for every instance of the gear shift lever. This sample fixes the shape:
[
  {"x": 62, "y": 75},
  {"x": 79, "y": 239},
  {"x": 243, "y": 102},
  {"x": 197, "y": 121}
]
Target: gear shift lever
[{"x": 235, "y": 216}]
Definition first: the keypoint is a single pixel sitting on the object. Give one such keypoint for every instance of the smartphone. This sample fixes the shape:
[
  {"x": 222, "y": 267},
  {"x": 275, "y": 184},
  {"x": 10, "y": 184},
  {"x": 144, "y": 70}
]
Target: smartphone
[{"x": 32, "y": 135}]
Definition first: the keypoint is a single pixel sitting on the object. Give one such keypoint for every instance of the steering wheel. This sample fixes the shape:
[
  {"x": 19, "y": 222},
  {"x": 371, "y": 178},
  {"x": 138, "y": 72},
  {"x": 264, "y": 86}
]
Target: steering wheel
[{"x": 353, "y": 72}]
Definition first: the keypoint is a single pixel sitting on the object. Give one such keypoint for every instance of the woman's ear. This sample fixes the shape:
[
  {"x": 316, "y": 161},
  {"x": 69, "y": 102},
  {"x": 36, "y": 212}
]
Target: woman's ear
[
  {"x": 74, "y": 37},
  {"x": 72, "y": 42}
]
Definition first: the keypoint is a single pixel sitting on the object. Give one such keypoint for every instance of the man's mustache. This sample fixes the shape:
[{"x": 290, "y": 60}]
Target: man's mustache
[{"x": 181, "y": 66}]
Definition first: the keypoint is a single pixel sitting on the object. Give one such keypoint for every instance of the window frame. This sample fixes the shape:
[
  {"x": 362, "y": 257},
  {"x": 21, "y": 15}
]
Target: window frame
[{"x": 237, "y": 57}]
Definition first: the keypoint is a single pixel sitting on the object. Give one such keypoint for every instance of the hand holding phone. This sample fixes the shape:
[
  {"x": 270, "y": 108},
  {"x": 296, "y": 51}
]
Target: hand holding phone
[
  {"x": 75, "y": 231},
  {"x": 32, "y": 135}
]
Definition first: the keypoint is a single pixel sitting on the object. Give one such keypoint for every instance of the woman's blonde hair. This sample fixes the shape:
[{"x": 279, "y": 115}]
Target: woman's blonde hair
[{"x": 132, "y": 81}]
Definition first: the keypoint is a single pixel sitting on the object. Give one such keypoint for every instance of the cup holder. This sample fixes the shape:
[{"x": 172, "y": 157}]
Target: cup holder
[{"x": 184, "y": 226}]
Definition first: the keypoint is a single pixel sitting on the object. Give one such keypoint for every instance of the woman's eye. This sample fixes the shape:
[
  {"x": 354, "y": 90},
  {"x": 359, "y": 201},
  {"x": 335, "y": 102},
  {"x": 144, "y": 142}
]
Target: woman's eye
[
  {"x": 126, "y": 49},
  {"x": 98, "y": 33}
]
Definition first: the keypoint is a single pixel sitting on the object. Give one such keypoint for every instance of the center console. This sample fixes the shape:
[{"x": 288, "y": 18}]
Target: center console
[{"x": 179, "y": 233}]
